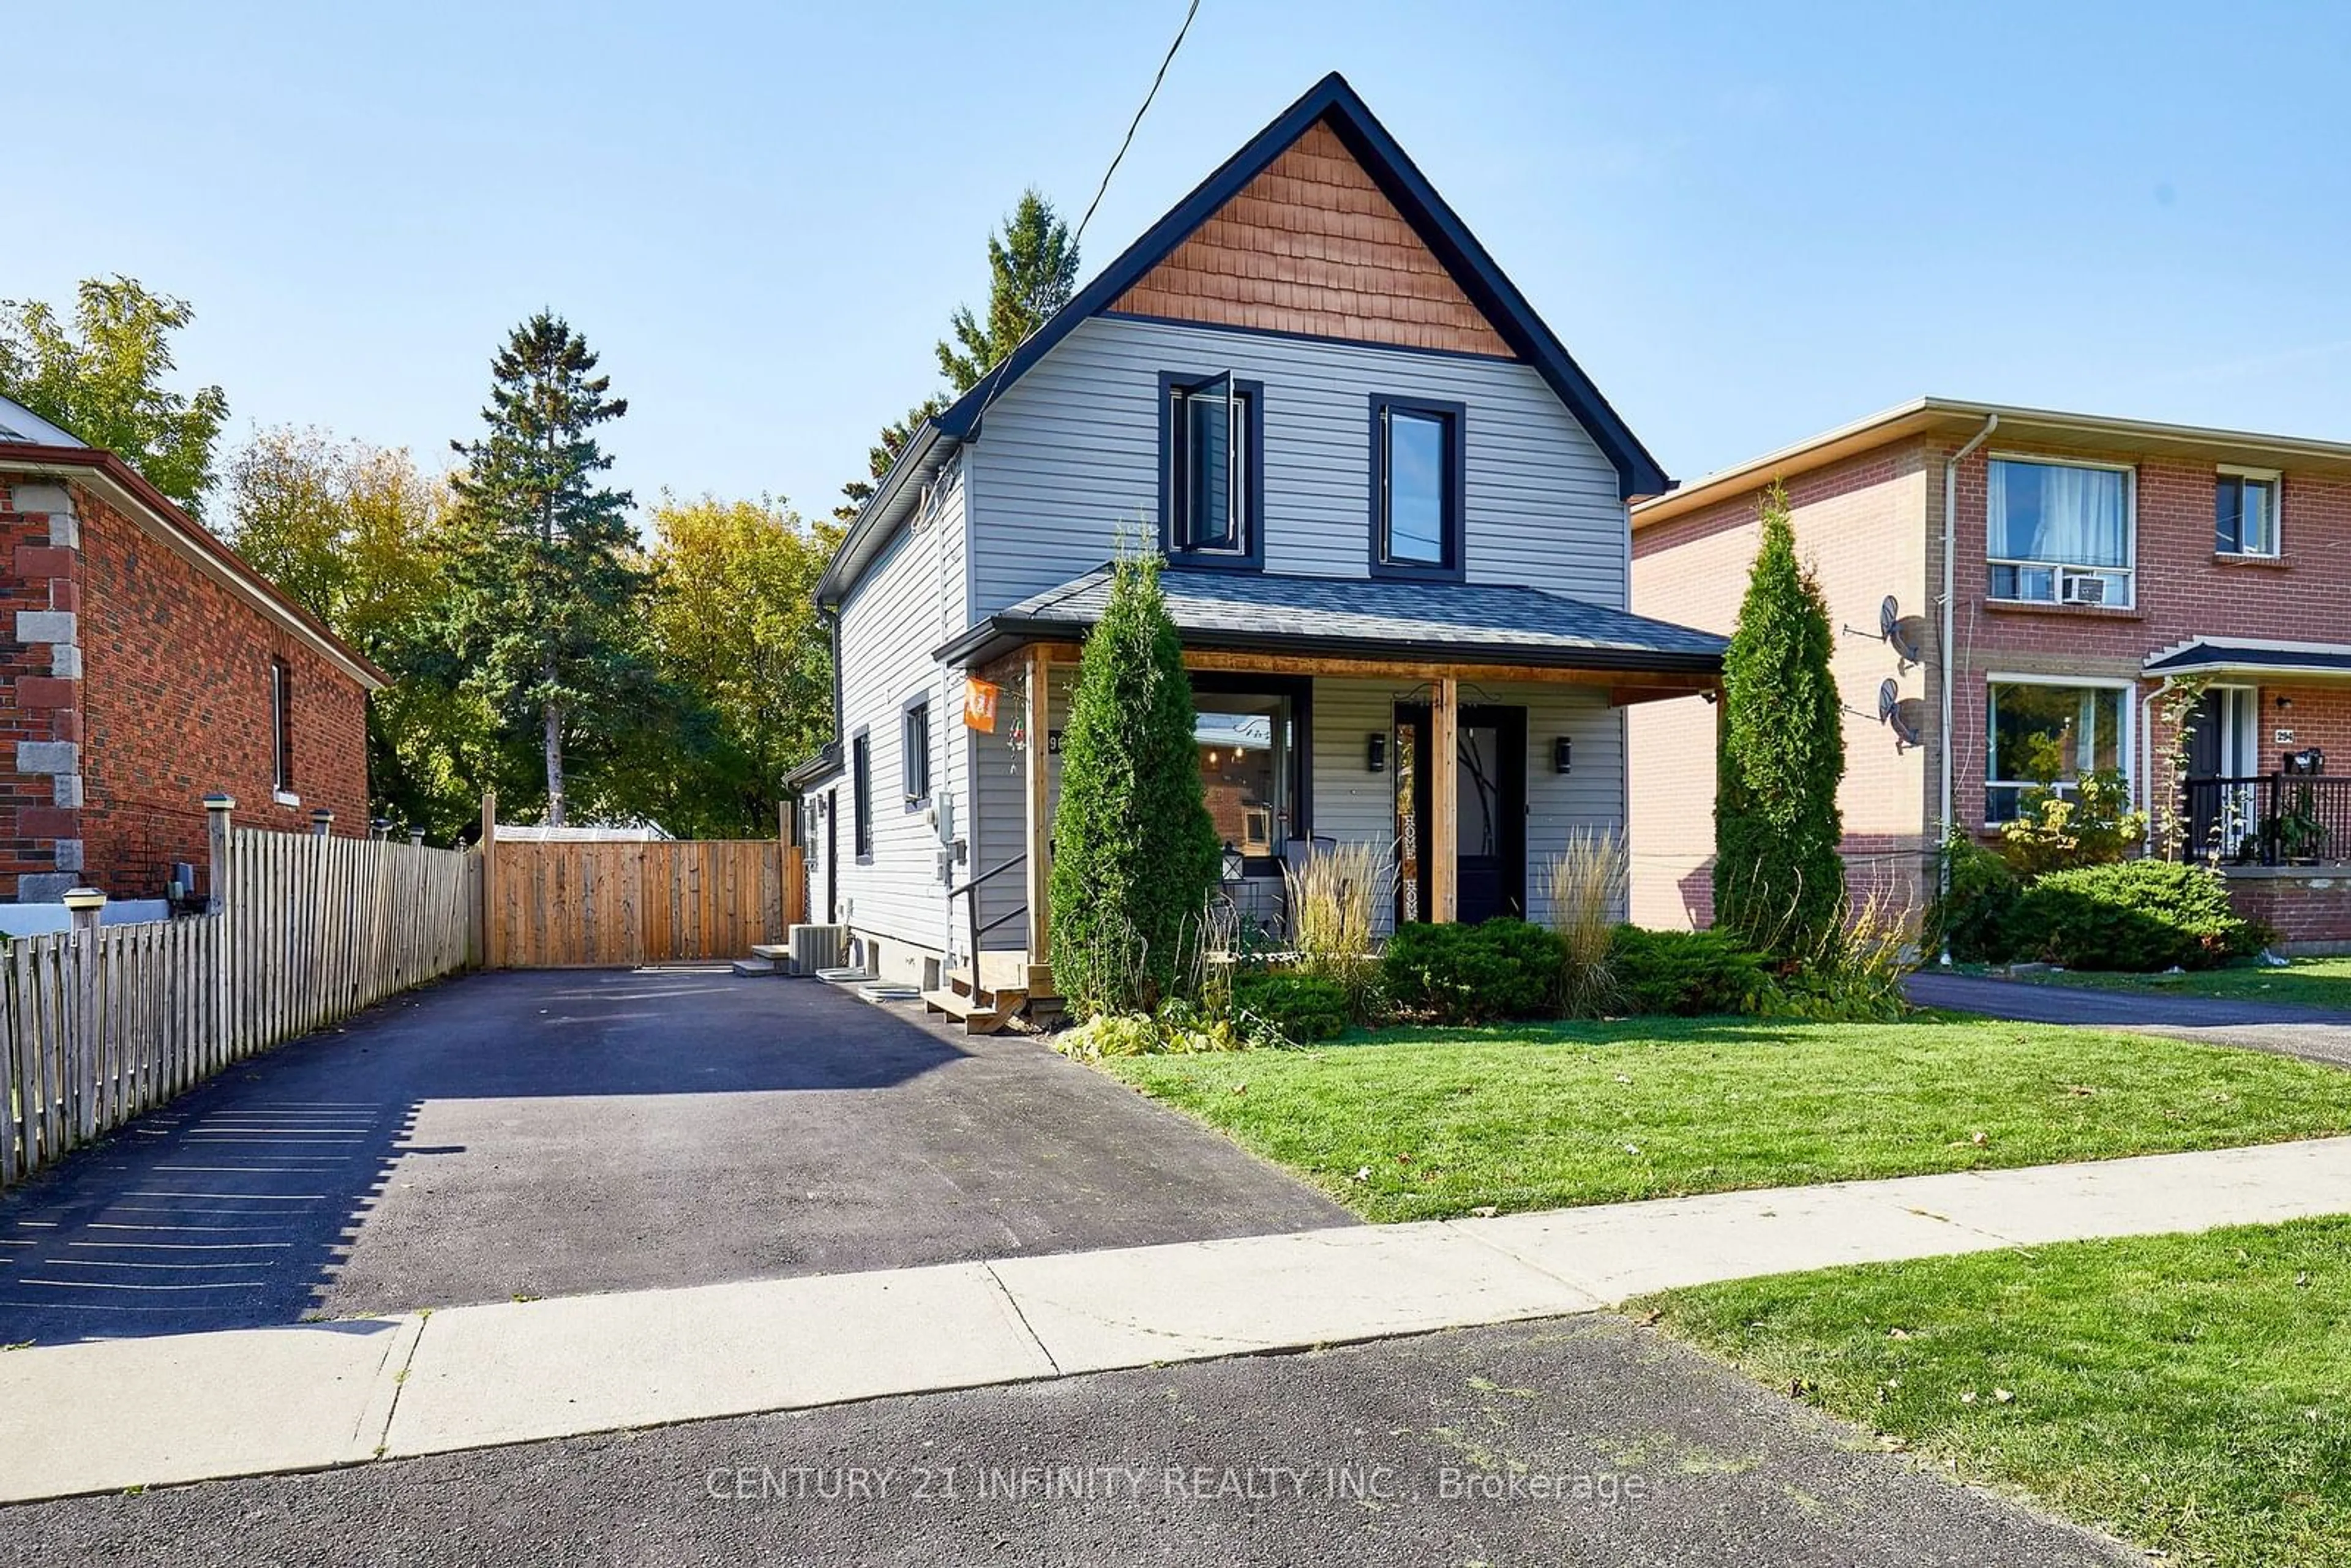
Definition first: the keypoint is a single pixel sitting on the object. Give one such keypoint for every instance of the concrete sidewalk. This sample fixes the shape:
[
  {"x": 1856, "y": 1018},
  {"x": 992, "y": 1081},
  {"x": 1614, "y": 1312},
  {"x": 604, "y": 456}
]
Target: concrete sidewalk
[{"x": 110, "y": 1414}]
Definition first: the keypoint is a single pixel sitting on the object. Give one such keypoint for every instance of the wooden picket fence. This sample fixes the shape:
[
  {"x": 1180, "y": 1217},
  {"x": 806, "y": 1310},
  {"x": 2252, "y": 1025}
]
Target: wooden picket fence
[{"x": 104, "y": 1022}]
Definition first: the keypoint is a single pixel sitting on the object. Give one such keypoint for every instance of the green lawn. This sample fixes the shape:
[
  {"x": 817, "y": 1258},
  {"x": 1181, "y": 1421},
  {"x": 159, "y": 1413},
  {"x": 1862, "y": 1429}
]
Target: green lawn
[
  {"x": 1422, "y": 1125},
  {"x": 2306, "y": 982},
  {"x": 2184, "y": 1392}
]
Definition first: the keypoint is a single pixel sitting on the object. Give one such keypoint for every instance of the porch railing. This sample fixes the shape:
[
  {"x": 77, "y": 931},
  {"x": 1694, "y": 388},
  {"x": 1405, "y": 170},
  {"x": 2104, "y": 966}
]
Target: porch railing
[{"x": 2272, "y": 819}]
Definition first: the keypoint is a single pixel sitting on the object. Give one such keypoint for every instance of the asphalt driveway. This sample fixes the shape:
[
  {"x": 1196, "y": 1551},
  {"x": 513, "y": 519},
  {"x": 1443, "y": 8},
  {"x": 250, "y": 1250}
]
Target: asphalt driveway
[
  {"x": 536, "y": 1133},
  {"x": 2311, "y": 1033}
]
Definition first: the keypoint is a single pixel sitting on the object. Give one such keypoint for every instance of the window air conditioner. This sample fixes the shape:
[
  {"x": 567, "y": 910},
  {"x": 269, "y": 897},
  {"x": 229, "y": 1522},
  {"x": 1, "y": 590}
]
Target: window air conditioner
[{"x": 2085, "y": 591}]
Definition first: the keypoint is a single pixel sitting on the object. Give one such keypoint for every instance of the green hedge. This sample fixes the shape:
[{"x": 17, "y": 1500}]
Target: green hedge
[
  {"x": 1298, "y": 1008},
  {"x": 2139, "y": 915},
  {"x": 1473, "y": 974},
  {"x": 1688, "y": 974}
]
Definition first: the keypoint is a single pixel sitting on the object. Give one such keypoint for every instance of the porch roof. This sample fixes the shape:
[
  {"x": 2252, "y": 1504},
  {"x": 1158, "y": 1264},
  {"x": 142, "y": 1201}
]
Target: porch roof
[
  {"x": 2251, "y": 656},
  {"x": 1366, "y": 618}
]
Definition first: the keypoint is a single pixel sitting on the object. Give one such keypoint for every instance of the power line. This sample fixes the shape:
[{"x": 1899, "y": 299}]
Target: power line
[
  {"x": 1137, "y": 123},
  {"x": 996, "y": 376}
]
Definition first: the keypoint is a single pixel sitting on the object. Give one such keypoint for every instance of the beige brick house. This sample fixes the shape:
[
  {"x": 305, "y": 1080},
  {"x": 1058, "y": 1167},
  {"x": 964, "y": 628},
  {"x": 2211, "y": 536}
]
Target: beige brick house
[{"x": 2092, "y": 561}]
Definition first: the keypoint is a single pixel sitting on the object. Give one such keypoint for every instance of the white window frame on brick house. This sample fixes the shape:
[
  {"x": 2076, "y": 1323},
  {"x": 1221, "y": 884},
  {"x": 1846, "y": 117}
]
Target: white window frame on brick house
[
  {"x": 2126, "y": 738},
  {"x": 2068, "y": 582},
  {"x": 2276, "y": 480}
]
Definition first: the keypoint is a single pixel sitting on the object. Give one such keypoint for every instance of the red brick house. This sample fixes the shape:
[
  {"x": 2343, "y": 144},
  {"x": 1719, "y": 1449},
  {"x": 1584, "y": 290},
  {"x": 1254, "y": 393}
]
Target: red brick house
[
  {"x": 2092, "y": 562},
  {"x": 144, "y": 664}
]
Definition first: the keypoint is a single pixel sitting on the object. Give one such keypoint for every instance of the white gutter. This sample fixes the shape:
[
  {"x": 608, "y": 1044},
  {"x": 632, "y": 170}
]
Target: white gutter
[{"x": 1947, "y": 652}]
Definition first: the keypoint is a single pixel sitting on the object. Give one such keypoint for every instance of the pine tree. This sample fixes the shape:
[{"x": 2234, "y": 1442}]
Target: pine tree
[
  {"x": 1032, "y": 265},
  {"x": 1778, "y": 879},
  {"x": 544, "y": 618},
  {"x": 1135, "y": 852}
]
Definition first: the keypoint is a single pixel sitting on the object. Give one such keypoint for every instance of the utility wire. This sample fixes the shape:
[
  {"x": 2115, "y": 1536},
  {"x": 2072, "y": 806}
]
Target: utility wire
[
  {"x": 996, "y": 373},
  {"x": 1136, "y": 123}
]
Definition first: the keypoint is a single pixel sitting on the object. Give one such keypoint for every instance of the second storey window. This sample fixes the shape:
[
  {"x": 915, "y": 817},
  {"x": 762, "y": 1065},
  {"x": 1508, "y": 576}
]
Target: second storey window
[
  {"x": 1416, "y": 481},
  {"x": 1213, "y": 446},
  {"x": 281, "y": 724},
  {"x": 2245, "y": 513},
  {"x": 2059, "y": 533}
]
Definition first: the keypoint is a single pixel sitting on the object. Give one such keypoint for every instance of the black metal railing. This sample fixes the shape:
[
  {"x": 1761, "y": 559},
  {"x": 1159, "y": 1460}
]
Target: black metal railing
[
  {"x": 969, "y": 892},
  {"x": 2275, "y": 819}
]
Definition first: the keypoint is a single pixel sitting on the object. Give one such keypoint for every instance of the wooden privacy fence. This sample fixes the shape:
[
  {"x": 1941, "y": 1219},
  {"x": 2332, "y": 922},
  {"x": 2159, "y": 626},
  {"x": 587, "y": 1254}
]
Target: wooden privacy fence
[
  {"x": 104, "y": 1022},
  {"x": 568, "y": 903}
]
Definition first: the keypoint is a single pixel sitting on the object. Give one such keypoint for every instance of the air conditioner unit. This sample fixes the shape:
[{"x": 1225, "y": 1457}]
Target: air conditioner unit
[{"x": 2085, "y": 591}]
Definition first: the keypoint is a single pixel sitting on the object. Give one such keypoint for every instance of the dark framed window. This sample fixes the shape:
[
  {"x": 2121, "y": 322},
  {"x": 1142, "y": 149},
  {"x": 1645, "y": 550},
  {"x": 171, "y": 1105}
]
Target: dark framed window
[
  {"x": 1212, "y": 453},
  {"x": 861, "y": 794},
  {"x": 1419, "y": 475},
  {"x": 915, "y": 749},
  {"x": 281, "y": 724},
  {"x": 1254, "y": 734},
  {"x": 2245, "y": 513}
]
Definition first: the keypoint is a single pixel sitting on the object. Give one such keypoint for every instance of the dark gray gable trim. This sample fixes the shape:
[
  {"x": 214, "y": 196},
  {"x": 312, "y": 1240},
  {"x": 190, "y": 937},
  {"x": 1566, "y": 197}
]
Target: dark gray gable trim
[{"x": 1637, "y": 472}]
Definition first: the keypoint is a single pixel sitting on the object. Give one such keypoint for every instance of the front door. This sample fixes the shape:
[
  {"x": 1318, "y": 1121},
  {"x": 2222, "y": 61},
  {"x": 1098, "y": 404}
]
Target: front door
[
  {"x": 1490, "y": 838},
  {"x": 2223, "y": 749}
]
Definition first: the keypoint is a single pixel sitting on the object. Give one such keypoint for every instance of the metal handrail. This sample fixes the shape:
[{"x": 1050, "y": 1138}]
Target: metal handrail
[{"x": 970, "y": 893}]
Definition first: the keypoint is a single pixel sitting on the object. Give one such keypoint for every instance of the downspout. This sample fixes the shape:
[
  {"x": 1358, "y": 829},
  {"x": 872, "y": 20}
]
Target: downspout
[{"x": 1950, "y": 637}]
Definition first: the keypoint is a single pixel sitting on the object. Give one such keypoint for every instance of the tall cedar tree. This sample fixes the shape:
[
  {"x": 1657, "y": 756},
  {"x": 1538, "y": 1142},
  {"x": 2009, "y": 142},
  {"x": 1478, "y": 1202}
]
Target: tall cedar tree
[
  {"x": 1135, "y": 852},
  {"x": 102, "y": 379},
  {"x": 1778, "y": 880},
  {"x": 1032, "y": 265},
  {"x": 548, "y": 591}
]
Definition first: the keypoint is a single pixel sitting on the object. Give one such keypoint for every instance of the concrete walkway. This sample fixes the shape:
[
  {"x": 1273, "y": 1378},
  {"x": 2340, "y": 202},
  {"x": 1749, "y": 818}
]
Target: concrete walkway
[
  {"x": 174, "y": 1408},
  {"x": 2315, "y": 1034}
]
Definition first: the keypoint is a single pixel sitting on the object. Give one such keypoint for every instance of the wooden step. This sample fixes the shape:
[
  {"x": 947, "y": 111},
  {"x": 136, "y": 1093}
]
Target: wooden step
[
  {"x": 1005, "y": 971},
  {"x": 976, "y": 1018}
]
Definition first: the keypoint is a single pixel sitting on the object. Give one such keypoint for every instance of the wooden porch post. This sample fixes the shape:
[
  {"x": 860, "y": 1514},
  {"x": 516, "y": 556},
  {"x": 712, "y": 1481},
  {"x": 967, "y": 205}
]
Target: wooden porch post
[
  {"x": 1041, "y": 823},
  {"x": 1444, "y": 801}
]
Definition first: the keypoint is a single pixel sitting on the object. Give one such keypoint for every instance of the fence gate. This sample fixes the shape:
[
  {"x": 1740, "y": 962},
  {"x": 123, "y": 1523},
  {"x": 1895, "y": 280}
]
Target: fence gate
[{"x": 551, "y": 906}]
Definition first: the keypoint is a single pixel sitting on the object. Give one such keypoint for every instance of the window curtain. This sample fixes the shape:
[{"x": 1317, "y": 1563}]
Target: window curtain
[{"x": 2073, "y": 517}]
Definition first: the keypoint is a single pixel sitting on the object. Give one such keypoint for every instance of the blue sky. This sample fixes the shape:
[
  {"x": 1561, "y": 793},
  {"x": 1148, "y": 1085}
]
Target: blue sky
[{"x": 1747, "y": 222}]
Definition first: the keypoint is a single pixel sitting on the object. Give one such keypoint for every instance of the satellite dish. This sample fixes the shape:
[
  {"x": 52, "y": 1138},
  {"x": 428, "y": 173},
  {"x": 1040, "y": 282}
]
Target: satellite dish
[
  {"x": 1900, "y": 635},
  {"x": 1903, "y": 716}
]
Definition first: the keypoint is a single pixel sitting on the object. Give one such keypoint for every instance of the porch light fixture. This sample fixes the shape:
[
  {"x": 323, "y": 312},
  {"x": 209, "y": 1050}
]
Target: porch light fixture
[
  {"x": 1376, "y": 753},
  {"x": 2284, "y": 703},
  {"x": 1236, "y": 865},
  {"x": 1562, "y": 755}
]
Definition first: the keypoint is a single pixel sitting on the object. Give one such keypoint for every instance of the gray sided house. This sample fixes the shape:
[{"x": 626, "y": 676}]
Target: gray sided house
[{"x": 1394, "y": 513}]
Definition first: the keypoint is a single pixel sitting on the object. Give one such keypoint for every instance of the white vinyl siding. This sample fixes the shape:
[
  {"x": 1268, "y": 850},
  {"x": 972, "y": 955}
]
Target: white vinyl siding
[
  {"x": 1070, "y": 455},
  {"x": 908, "y": 604}
]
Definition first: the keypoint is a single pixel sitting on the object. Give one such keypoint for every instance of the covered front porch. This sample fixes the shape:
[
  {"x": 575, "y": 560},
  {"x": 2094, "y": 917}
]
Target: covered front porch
[{"x": 1323, "y": 708}]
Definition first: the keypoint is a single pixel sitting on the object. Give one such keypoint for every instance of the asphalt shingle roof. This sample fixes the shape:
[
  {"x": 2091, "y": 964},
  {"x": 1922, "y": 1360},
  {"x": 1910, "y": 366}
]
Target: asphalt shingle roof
[{"x": 1380, "y": 617}]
